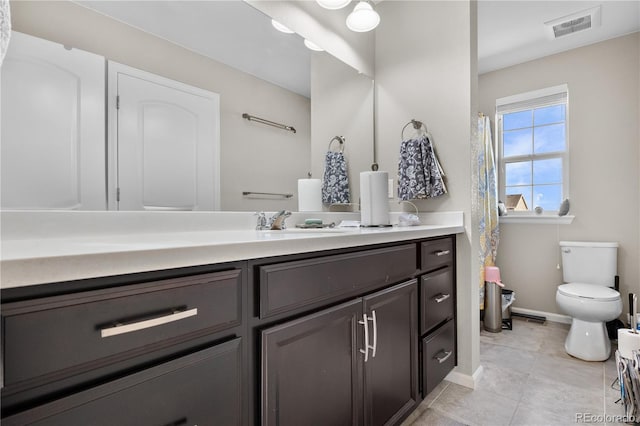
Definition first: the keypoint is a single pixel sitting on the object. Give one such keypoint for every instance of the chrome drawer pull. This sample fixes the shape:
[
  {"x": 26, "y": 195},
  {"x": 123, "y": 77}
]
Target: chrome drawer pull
[
  {"x": 442, "y": 253},
  {"x": 441, "y": 298},
  {"x": 375, "y": 334},
  {"x": 446, "y": 356},
  {"x": 365, "y": 351},
  {"x": 141, "y": 325}
]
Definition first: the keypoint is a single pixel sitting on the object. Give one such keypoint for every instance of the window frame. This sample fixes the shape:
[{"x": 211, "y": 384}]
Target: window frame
[{"x": 556, "y": 95}]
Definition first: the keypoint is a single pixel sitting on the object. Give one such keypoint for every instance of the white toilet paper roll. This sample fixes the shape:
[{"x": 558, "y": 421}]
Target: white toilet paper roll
[
  {"x": 628, "y": 341},
  {"x": 374, "y": 203},
  {"x": 309, "y": 195}
]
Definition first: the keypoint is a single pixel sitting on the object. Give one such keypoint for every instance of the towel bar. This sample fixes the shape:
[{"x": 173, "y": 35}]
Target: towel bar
[
  {"x": 251, "y": 194},
  {"x": 268, "y": 122}
]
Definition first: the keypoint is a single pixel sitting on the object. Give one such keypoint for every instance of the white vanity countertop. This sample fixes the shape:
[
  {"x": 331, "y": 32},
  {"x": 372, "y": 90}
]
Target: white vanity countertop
[{"x": 30, "y": 258}]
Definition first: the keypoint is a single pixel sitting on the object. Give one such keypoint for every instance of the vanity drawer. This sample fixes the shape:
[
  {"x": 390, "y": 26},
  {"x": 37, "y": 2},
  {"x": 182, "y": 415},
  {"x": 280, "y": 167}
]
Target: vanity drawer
[
  {"x": 308, "y": 283},
  {"x": 438, "y": 356},
  {"x": 201, "y": 388},
  {"x": 436, "y": 253},
  {"x": 82, "y": 331},
  {"x": 437, "y": 302}
]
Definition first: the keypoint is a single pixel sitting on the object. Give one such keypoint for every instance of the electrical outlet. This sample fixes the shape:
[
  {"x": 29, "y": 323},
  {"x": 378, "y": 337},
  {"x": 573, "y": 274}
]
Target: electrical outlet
[{"x": 390, "y": 189}]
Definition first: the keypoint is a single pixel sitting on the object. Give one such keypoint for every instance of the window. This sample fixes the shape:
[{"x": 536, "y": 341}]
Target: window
[{"x": 533, "y": 149}]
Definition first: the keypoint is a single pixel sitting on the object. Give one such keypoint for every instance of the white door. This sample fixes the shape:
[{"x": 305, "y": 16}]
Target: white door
[
  {"x": 166, "y": 143},
  {"x": 53, "y": 131}
]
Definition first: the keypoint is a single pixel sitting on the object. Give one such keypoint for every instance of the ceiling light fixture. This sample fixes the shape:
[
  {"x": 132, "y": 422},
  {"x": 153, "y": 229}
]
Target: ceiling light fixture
[
  {"x": 278, "y": 26},
  {"x": 363, "y": 18},
  {"x": 333, "y": 4},
  {"x": 312, "y": 46}
]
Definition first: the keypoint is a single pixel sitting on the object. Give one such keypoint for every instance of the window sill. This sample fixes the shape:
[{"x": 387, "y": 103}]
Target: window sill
[{"x": 538, "y": 220}]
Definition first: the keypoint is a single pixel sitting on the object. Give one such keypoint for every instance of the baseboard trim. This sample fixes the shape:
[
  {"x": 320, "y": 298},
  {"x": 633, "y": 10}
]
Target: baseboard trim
[
  {"x": 564, "y": 319},
  {"x": 464, "y": 379}
]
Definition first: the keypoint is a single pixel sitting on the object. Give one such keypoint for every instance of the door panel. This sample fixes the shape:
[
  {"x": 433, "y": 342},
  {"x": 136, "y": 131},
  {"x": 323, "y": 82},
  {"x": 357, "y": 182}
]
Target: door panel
[
  {"x": 391, "y": 375},
  {"x": 311, "y": 369},
  {"x": 167, "y": 143},
  {"x": 53, "y": 144}
]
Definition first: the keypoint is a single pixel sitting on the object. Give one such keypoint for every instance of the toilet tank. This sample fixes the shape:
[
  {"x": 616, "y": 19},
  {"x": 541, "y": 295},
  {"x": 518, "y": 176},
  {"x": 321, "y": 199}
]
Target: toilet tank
[{"x": 589, "y": 263}]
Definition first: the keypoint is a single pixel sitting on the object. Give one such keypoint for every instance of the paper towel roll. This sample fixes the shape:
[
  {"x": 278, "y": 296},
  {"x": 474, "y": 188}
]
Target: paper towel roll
[
  {"x": 309, "y": 195},
  {"x": 628, "y": 341},
  {"x": 374, "y": 203}
]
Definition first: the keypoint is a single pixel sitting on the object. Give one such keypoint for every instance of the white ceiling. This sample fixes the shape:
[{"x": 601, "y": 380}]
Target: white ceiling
[
  {"x": 512, "y": 32},
  {"x": 233, "y": 32}
]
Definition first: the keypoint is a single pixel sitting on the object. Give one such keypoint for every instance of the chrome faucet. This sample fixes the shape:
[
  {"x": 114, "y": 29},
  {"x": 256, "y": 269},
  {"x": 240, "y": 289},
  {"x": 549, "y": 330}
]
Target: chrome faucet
[
  {"x": 261, "y": 224},
  {"x": 274, "y": 223},
  {"x": 277, "y": 221}
]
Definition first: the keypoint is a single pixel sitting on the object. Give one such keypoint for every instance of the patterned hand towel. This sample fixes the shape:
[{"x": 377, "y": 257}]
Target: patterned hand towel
[
  {"x": 335, "y": 182},
  {"x": 419, "y": 173}
]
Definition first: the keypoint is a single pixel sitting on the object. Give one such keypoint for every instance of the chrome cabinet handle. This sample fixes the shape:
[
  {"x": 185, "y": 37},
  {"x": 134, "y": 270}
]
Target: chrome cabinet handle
[
  {"x": 442, "y": 253},
  {"x": 141, "y": 325},
  {"x": 441, "y": 298},
  {"x": 375, "y": 334},
  {"x": 446, "y": 356},
  {"x": 365, "y": 351}
]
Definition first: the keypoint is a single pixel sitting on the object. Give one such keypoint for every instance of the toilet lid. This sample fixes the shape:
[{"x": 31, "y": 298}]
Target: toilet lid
[{"x": 588, "y": 291}]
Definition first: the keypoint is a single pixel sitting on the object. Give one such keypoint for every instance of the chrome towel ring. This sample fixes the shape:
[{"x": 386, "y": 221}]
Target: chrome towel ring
[
  {"x": 340, "y": 140},
  {"x": 417, "y": 125}
]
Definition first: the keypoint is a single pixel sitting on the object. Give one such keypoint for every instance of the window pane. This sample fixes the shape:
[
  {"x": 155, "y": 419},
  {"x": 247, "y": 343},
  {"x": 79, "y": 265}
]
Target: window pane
[
  {"x": 518, "y": 173},
  {"x": 547, "y": 171},
  {"x": 547, "y": 115},
  {"x": 548, "y": 197},
  {"x": 517, "y": 142},
  {"x": 549, "y": 138},
  {"x": 517, "y": 120},
  {"x": 518, "y": 198}
]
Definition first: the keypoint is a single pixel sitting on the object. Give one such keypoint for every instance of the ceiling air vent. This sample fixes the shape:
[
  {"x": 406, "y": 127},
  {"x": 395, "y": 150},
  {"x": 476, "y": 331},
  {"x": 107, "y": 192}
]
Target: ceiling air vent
[{"x": 574, "y": 23}]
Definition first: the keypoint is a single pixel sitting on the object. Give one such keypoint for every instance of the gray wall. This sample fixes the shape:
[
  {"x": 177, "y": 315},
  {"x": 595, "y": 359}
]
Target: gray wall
[
  {"x": 341, "y": 105},
  {"x": 426, "y": 69},
  {"x": 604, "y": 139},
  {"x": 254, "y": 157}
]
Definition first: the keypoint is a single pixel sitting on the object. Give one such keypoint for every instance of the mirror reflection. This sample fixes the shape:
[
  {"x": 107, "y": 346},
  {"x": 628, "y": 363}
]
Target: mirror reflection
[{"x": 312, "y": 92}]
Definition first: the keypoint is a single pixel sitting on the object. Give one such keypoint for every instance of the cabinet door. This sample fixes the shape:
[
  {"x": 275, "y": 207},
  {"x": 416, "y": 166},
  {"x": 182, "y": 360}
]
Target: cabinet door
[
  {"x": 203, "y": 388},
  {"x": 53, "y": 144},
  {"x": 391, "y": 371},
  {"x": 311, "y": 369}
]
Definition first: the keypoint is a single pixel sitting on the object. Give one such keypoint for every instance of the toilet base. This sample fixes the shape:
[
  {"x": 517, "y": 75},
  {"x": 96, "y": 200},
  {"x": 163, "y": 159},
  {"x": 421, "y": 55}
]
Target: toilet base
[{"x": 588, "y": 341}]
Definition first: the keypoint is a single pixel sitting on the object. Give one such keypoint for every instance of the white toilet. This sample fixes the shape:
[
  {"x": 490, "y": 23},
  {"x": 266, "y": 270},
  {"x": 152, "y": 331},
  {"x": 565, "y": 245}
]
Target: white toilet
[{"x": 589, "y": 269}]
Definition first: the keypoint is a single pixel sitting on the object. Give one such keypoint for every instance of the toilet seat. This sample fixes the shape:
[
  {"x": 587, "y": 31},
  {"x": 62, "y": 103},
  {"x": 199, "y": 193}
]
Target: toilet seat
[{"x": 588, "y": 291}]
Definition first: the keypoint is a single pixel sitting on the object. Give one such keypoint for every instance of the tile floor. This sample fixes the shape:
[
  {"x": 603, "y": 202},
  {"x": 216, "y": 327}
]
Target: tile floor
[{"x": 528, "y": 379}]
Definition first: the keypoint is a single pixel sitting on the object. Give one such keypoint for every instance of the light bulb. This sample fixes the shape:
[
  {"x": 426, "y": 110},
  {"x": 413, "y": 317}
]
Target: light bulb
[
  {"x": 333, "y": 4},
  {"x": 311, "y": 45},
  {"x": 278, "y": 26},
  {"x": 363, "y": 18}
]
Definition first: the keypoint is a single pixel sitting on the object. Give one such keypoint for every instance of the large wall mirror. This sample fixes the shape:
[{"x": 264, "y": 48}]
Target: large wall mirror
[{"x": 230, "y": 49}]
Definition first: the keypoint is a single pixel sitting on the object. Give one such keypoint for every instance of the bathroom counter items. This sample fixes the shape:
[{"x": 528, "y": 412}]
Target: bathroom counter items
[{"x": 45, "y": 247}]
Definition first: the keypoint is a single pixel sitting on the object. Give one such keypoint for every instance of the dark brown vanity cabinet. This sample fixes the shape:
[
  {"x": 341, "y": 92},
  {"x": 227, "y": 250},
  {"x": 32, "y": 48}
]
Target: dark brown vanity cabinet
[
  {"x": 153, "y": 352},
  {"x": 339, "y": 337},
  {"x": 352, "y": 364},
  {"x": 437, "y": 311}
]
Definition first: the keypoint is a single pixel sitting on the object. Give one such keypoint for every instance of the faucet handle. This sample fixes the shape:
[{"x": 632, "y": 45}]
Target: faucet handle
[{"x": 261, "y": 223}]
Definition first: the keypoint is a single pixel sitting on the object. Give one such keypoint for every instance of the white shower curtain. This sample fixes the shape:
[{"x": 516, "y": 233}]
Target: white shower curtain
[
  {"x": 488, "y": 193},
  {"x": 5, "y": 28}
]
